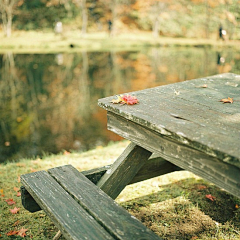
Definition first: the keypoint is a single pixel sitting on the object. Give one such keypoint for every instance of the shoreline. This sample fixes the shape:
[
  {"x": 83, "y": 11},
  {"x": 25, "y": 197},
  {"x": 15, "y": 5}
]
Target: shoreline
[{"x": 73, "y": 41}]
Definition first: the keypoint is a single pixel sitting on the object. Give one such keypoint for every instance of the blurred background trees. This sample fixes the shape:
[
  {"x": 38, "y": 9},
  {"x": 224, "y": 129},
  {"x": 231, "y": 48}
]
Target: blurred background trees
[{"x": 174, "y": 18}]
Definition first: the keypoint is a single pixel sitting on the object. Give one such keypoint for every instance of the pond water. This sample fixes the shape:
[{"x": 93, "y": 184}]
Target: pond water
[{"x": 48, "y": 102}]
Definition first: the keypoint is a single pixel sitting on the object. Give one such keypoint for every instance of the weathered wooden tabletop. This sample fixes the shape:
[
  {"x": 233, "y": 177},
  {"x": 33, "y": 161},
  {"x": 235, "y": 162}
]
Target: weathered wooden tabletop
[{"x": 186, "y": 123}]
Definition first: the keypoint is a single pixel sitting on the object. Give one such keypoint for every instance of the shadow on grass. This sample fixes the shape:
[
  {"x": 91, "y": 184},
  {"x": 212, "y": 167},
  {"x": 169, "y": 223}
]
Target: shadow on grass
[{"x": 182, "y": 210}]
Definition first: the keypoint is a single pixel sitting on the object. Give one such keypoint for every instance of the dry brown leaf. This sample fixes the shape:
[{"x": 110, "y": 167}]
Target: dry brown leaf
[{"x": 227, "y": 100}]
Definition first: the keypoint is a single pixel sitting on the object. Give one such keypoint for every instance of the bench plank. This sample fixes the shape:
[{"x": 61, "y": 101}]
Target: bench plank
[
  {"x": 116, "y": 219},
  {"x": 155, "y": 166},
  {"x": 211, "y": 168},
  {"x": 73, "y": 221}
]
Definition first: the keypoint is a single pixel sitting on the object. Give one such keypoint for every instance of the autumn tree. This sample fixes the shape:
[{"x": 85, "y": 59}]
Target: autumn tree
[{"x": 7, "y": 8}]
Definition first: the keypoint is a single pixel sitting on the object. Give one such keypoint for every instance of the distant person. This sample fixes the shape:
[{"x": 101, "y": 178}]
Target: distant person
[
  {"x": 109, "y": 26},
  {"x": 222, "y": 33},
  {"x": 58, "y": 27}
]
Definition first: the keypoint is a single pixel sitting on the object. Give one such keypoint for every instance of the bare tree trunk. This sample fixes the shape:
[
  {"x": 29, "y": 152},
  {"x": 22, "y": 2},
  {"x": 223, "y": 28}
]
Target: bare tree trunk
[
  {"x": 6, "y": 8},
  {"x": 84, "y": 17},
  {"x": 156, "y": 28},
  {"x": 9, "y": 24}
]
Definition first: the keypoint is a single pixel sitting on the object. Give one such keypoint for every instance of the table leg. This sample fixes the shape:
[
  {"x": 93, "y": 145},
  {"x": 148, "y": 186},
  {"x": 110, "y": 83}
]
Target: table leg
[{"x": 123, "y": 170}]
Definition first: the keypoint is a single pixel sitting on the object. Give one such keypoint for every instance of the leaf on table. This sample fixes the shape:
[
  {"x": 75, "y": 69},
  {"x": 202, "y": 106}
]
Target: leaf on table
[
  {"x": 125, "y": 99},
  {"x": 14, "y": 210},
  {"x": 10, "y": 201},
  {"x": 118, "y": 100},
  {"x": 176, "y": 92},
  {"x": 130, "y": 100},
  {"x": 210, "y": 197},
  {"x": 227, "y": 100},
  {"x": 202, "y": 86}
]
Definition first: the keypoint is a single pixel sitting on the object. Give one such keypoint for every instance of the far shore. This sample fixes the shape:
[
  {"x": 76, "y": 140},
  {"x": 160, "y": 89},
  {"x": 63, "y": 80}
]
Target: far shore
[{"x": 73, "y": 41}]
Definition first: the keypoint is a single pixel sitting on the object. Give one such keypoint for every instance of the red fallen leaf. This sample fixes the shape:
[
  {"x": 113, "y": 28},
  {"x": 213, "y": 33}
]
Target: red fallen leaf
[
  {"x": 130, "y": 100},
  {"x": 12, "y": 232},
  {"x": 10, "y": 201},
  {"x": 18, "y": 194},
  {"x": 125, "y": 99},
  {"x": 209, "y": 196},
  {"x": 22, "y": 232},
  {"x": 227, "y": 100},
  {"x": 14, "y": 210}
]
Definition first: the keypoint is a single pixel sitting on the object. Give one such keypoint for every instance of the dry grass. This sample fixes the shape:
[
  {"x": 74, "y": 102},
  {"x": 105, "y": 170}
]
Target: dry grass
[{"x": 174, "y": 205}]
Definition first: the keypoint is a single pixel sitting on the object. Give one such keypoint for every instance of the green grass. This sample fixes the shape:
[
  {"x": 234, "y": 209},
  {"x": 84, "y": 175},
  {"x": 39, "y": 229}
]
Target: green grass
[
  {"x": 48, "y": 42},
  {"x": 174, "y": 205}
]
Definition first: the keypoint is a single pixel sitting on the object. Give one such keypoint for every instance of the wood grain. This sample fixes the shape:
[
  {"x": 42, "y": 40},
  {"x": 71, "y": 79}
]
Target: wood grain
[
  {"x": 116, "y": 220},
  {"x": 73, "y": 221},
  {"x": 222, "y": 174},
  {"x": 190, "y": 114}
]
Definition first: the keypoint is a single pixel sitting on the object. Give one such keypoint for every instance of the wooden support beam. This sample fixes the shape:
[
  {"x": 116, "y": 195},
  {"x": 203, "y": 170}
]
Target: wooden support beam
[{"x": 123, "y": 170}]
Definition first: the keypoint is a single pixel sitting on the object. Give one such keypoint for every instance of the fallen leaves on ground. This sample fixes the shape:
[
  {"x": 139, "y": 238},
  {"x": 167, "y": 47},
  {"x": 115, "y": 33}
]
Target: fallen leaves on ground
[
  {"x": 14, "y": 210},
  {"x": 21, "y": 232},
  {"x": 16, "y": 189},
  {"x": 210, "y": 197},
  {"x": 125, "y": 99},
  {"x": 1, "y": 193},
  {"x": 227, "y": 100},
  {"x": 10, "y": 201}
]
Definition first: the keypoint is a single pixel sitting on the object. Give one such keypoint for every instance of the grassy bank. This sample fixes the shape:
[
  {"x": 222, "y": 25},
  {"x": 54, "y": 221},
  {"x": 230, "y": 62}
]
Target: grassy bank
[
  {"x": 175, "y": 206},
  {"x": 47, "y": 42}
]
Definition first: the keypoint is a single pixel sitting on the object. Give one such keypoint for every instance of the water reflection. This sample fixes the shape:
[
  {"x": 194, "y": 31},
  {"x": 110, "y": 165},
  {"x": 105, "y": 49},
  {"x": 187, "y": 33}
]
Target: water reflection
[{"x": 48, "y": 102}]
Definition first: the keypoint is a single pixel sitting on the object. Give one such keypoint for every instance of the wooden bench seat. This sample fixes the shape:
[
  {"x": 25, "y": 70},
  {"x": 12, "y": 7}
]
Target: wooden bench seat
[{"x": 80, "y": 209}]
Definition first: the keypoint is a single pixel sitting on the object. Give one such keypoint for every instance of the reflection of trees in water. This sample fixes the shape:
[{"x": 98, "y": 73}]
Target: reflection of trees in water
[{"x": 49, "y": 102}]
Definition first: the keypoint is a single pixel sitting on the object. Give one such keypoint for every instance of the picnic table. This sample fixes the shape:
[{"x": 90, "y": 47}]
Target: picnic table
[{"x": 192, "y": 125}]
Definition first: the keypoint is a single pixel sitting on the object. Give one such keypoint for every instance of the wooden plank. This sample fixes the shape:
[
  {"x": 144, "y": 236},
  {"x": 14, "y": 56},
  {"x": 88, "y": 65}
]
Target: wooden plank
[
  {"x": 128, "y": 164},
  {"x": 154, "y": 167},
  {"x": 116, "y": 220},
  {"x": 221, "y": 173},
  {"x": 73, "y": 221}
]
